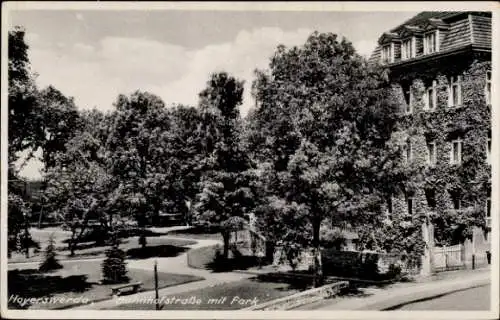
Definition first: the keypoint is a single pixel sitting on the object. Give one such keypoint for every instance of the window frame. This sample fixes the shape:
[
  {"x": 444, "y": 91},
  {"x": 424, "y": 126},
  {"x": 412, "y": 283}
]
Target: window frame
[
  {"x": 431, "y": 194},
  {"x": 409, "y": 205},
  {"x": 408, "y": 151},
  {"x": 428, "y": 36},
  {"x": 432, "y": 87},
  {"x": 409, "y": 103},
  {"x": 431, "y": 158},
  {"x": 408, "y": 43},
  {"x": 453, "y": 161},
  {"x": 390, "y": 57},
  {"x": 487, "y": 87},
  {"x": 390, "y": 207},
  {"x": 454, "y": 82}
]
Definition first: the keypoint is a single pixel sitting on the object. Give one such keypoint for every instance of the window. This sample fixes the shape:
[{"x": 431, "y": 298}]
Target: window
[
  {"x": 431, "y": 97},
  {"x": 409, "y": 202},
  {"x": 488, "y": 208},
  {"x": 408, "y": 98},
  {"x": 389, "y": 206},
  {"x": 455, "y": 92},
  {"x": 387, "y": 55},
  {"x": 408, "y": 49},
  {"x": 456, "y": 152},
  {"x": 430, "y": 195},
  {"x": 488, "y": 151},
  {"x": 456, "y": 202},
  {"x": 431, "y": 43},
  {"x": 431, "y": 154},
  {"x": 408, "y": 154},
  {"x": 487, "y": 89}
]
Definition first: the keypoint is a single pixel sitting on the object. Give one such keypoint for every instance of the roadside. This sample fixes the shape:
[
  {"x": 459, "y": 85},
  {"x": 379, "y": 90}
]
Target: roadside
[{"x": 398, "y": 294}]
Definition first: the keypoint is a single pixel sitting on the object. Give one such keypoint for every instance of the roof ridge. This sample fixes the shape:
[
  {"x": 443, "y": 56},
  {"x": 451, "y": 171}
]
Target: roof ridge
[{"x": 426, "y": 15}]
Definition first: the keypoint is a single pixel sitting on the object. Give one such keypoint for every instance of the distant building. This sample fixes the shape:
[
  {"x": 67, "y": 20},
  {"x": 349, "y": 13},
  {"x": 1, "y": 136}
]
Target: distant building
[{"x": 440, "y": 69}]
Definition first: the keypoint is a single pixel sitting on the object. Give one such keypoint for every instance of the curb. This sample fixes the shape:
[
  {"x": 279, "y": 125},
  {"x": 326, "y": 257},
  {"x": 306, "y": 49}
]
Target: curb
[
  {"x": 301, "y": 298},
  {"x": 393, "y": 303},
  {"x": 431, "y": 297}
]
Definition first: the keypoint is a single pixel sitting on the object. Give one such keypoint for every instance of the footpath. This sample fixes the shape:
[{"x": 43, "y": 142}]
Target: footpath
[
  {"x": 392, "y": 296},
  {"x": 176, "y": 264}
]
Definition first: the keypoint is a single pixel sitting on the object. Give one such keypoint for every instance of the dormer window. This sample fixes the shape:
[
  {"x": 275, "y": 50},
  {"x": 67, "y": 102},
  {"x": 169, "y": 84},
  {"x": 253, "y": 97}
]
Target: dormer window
[
  {"x": 387, "y": 53},
  {"x": 431, "y": 43},
  {"x": 408, "y": 48}
]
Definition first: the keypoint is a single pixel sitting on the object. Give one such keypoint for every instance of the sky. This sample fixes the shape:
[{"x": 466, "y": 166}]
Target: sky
[{"x": 95, "y": 55}]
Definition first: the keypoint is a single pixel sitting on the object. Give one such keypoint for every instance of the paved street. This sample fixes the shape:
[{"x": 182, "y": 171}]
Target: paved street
[
  {"x": 397, "y": 295},
  {"x": 471, "y": 299}
]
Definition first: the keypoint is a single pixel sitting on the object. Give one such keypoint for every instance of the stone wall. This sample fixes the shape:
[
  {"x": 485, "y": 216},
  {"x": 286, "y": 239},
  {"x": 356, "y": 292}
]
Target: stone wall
[{"x": 355, "y": 264}]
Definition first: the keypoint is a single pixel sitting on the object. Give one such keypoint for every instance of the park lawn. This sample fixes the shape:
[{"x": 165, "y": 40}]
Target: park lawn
[
  {"x": 200, "y": 258},
  {"x": 156, "y": 246},
  {"x": 204, "y": 258},
  {"x": 195, "y": 233},
  {"x": 238, "y": 295},
  {"x": 81, "y": 280}
]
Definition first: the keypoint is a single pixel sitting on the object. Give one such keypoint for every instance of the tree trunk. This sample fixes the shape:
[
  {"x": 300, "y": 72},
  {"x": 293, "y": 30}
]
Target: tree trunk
[
  {"x": 225, "y": 237},
  {"x": 72, "y": 247},
  {"x": 269, "y": 251},
  {"x": 317, "y": 267},
  {"x": 143, "y": 239},
  {"x": 72, "y": 242}
]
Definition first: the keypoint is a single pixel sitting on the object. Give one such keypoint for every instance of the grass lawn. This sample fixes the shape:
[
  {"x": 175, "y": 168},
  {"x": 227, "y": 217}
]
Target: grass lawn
[
  {"x": 79, "y": 280},
  {"x": 156, "y": 246},
  {"x": 196, "y": 233},
  {"x": 227, "y": 296},
  {"x": 200, "y": 258},
  {"x": 203, "y": 258}
]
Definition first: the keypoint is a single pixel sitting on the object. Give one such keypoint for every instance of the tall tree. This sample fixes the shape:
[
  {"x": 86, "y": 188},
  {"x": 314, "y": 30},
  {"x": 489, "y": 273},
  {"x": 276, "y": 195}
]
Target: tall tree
[
  {"x": 58, "y": 121},
  {"x": 80, "y": 186},
  {"x": 225, "y": 194},
  {"x": 22, "y": 94},
  {"x": 322, "y": 123},
  {"x": 183, "y": 159},
  {"x": 140, "y": 123}
]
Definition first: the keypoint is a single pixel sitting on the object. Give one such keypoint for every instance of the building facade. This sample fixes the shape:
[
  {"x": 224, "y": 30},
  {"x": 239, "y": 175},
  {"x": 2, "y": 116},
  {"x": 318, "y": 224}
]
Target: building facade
[{"x": 440, "y": 70}]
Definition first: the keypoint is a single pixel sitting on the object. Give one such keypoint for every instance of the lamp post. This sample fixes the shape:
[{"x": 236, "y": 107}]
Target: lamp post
[{"x": 157, "y": 300}]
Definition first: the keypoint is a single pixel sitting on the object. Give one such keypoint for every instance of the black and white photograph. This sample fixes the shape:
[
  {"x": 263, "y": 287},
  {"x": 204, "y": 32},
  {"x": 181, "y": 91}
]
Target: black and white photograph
[{"x": 248, "y": 160}]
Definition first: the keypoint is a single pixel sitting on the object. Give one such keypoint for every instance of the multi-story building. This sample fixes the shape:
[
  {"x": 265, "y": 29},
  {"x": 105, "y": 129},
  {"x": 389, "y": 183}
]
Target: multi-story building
[{"x": 440, "y": 68}]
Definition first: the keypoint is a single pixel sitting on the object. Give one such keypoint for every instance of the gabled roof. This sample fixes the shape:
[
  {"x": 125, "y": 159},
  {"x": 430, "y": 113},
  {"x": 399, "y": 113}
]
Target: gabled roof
[
  {"x": 388, "y": 36},
  {"x": 424, "y": 16},
  {"x": 460, "y": 29}
]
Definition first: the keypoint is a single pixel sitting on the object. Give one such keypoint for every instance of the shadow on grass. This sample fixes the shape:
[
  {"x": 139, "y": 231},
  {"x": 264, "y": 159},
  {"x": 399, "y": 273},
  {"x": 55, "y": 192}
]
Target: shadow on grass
[
  {"x": 30, "y": 283},
  {"x": 155, "y": 251},
  {"x": 235, "y": 263},
  {"x": 101, "y": 238}
]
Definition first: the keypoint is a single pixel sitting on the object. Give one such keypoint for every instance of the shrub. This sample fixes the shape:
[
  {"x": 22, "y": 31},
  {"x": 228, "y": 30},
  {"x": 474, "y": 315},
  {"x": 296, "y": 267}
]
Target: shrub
[
  {"x": 50, "y": 262},
  {"x": 114, "y": 268}
]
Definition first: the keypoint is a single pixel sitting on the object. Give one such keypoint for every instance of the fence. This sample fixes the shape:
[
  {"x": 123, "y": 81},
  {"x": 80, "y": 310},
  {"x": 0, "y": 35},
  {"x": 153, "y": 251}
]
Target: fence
[
  {"x": 468, "y": 255},
  {"x": 449, "y": 258}
]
